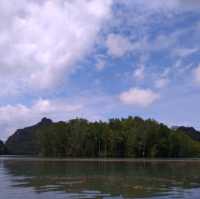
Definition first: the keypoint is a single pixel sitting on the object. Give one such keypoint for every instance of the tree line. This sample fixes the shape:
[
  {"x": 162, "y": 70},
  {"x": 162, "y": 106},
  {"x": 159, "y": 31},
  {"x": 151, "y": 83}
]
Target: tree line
[{"x": 132, "y": 137}]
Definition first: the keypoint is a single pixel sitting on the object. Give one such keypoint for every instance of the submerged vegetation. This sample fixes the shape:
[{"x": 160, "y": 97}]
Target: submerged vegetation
[{"x": 131, "y": 137}]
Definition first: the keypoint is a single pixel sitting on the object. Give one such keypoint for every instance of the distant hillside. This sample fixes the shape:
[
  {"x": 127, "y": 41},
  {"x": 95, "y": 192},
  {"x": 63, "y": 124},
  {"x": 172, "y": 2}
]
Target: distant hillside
[
  {"x": 190, "y": 131},
  {"x": 127, "y": 137},
  {"x": 2, "y": 148},
  {"x": 25, "y": 141}
]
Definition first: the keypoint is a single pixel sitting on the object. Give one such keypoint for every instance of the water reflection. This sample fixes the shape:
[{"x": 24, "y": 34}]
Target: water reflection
[{"x": 101, "y": 179}]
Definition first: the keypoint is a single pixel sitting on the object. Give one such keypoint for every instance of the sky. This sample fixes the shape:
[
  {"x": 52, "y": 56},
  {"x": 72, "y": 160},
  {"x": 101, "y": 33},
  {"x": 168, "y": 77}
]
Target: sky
[{"x": 99, "y": 59}]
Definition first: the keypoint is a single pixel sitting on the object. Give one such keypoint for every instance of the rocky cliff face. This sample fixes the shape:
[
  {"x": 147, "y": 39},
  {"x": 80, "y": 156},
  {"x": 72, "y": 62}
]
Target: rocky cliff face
[{"x": 24, "y": 141}]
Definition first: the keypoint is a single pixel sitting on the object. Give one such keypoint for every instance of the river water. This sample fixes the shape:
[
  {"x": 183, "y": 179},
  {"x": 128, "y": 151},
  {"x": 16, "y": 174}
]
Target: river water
[{"x": 29, "y": 178}]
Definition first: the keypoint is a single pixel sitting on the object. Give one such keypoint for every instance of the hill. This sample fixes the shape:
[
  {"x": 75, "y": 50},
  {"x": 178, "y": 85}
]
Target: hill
[{"x": 25, "y": 141}]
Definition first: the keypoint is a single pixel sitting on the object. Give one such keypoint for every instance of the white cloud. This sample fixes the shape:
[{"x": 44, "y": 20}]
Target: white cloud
[
  {"x": 161, "y": 83},
  {"x": 100, "y": 65},
  {"x": 118, "y": 45},
  {"x": 139, "y": 73},
  {"x": 197, "y": 75},
  {"x": 185, "y": 52},
  {"x": 139, "y": 97},
  {"x": 40, "y": 41}
]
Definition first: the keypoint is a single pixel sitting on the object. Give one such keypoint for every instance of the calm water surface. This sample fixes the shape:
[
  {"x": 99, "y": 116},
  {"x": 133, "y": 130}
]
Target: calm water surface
[{"x": 44, "y": 179}]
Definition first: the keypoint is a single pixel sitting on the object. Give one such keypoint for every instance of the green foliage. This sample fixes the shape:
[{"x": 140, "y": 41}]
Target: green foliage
[{"x": 131, "y": 137}]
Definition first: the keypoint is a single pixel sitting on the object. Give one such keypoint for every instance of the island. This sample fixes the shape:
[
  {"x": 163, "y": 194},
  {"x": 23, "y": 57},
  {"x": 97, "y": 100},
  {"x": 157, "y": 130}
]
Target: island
[{"x": 131, "y": 137}]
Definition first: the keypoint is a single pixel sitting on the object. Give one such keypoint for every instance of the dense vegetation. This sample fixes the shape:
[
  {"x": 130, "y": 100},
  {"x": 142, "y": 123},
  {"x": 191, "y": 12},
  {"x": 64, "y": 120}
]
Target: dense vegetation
[
  {"x": 131, "y": 137},
  {"x": 2, "y": 148}
]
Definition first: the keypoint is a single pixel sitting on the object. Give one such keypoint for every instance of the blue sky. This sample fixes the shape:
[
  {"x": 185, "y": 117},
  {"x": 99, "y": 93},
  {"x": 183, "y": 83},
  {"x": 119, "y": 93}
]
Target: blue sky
[{"x": 99, "y": 59}]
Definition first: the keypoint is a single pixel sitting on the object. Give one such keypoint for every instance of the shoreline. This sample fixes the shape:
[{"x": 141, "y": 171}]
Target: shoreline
[{"x": 134, "y": 160}]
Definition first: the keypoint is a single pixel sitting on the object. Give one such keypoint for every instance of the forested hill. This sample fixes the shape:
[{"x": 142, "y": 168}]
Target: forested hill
[
  {"x": 130, "y": 137},
  {"x": 25, "y": 141}
]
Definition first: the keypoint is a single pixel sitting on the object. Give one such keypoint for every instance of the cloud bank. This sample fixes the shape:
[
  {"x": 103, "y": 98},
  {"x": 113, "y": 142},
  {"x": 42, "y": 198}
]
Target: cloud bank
[
  {"x": 17, "y": 116},
  {"x": 40, "y": 41}
]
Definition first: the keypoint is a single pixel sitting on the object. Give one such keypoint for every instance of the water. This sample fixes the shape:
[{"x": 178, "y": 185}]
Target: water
[{"x": 50, "y": 179}]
